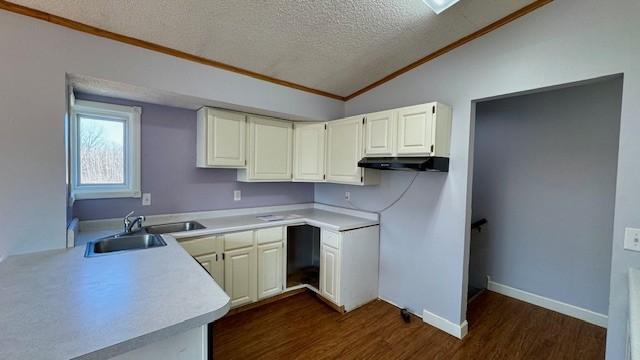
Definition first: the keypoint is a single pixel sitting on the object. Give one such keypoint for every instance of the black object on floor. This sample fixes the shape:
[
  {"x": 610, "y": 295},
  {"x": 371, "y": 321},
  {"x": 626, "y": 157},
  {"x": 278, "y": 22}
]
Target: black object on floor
[{"x": 406, "y": 316}]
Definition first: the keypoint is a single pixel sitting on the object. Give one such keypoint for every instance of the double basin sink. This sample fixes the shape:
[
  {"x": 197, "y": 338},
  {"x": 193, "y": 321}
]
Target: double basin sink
[{"x": 145, "y": 238}]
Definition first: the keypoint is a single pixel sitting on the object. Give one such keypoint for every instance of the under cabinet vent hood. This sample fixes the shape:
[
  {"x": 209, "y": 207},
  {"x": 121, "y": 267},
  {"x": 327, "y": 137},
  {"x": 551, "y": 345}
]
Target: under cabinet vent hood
[{"x": 430, "y": 163}]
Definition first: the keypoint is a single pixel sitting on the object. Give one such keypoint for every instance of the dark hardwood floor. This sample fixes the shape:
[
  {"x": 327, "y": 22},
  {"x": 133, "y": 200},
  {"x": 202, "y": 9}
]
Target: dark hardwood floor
[{"x": 302, "y": 327}]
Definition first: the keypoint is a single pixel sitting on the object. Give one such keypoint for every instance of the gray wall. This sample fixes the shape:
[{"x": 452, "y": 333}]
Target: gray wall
[
  {"x": 544, "y": 176},
  {"x": 169, "y": 173},
  {"x": 35, "y": 58},
  {"x": 563, "y": 42}
]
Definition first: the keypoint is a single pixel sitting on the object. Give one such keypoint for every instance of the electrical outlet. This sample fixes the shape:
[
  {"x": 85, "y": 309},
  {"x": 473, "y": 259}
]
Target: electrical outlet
[
  {"x": 146, "y": 199},
  {"x": 237, "y": 195},
  {"x": 632, "y": 239},
  {"x": 347, "y": 195}
]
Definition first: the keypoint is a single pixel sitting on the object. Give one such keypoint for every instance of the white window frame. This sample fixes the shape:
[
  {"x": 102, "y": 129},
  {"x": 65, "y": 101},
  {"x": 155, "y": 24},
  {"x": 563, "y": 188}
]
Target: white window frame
[{"x": 131, "y": 116}]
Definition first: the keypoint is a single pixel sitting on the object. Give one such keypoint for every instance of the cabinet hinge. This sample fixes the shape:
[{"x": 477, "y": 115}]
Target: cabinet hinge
[
  {"x": 433, "y": 110},
  {"x": 364, "y": 120},
  {"x": 216, "y": 257},
  {"x": 293, "y": 126},
  {"x": 324, "y": 177},
  {"x": 325, "y": 126},
  {"x": 432, "y": 148},
  {"x": 222, "y": 256},
  {"x": 245, "y": 162},
  {"x": 361, "y": 178}
]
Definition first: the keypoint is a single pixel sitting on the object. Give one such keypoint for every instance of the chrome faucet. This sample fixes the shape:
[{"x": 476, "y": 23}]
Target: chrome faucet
[{"x": 129, "y": 224}]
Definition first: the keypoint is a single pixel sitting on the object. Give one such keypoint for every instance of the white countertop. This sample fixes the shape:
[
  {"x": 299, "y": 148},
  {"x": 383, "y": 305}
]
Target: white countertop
[
  {"x": 320, "y": 218},
  {"x": 634, "y": 312},
  {"x": 60, "y": 305},
  {"x": 218, "y": 222}
]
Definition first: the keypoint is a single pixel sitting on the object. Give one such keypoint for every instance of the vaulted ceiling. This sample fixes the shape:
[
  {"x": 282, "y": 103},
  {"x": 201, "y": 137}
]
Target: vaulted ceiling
[{"x": 334, "y": 46}]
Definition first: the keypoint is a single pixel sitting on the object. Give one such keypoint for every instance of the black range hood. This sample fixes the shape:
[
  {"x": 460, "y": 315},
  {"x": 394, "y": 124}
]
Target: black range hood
[{"x": 430, "y": 163}]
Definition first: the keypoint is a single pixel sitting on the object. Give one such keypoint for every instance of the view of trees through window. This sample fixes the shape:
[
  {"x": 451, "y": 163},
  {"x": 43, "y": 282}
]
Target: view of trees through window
[{"x": 101, "y": 151}]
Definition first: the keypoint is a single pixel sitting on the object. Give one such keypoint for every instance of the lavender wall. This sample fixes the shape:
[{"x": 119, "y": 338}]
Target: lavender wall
[{"x": 169, "y": 173}]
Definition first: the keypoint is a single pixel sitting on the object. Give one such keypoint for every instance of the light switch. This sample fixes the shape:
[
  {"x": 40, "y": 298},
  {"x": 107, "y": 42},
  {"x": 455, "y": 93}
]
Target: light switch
[
  {"x": 632, "y": 239},
  {"x": 237, "y": 195},
  {"x": 146, "y": 199}
]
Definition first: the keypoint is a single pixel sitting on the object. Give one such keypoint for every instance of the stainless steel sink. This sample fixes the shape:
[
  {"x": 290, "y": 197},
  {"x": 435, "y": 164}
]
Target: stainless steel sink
[
  {"x": 123, "y": 243},
  {"x": 174, "y": 227}
]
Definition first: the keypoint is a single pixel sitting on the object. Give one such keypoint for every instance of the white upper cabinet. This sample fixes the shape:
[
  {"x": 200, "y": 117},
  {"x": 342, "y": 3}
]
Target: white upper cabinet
[
  {"x": 309, "y": 151},
  {"x": 266, "y": 149},
  {"x": 344, "y": 150},
  {"x": 415, "y": 130},
  {"x": 221, "y": 138},
  {"x": 424, "y": 130},
  {"x": 380, "y": 133},
  {"x": 269, "y": 155},
  {"x": 420, "y": 130}
]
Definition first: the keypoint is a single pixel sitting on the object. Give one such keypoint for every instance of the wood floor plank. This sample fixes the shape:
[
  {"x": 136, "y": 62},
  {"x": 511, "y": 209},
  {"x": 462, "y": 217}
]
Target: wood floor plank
[{"x": 303, "y": 327}]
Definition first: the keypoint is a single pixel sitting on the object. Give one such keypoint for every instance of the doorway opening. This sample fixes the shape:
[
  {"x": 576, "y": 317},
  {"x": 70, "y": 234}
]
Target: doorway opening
[{"x": 544, "y": 182}]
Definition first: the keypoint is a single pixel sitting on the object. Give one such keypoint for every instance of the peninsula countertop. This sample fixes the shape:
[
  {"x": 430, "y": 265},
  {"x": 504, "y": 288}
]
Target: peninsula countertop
[{"x": 59, "y": 305}]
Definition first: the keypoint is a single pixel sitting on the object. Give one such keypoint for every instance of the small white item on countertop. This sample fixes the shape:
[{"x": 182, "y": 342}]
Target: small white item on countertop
[{"x": 269, "y": 218}]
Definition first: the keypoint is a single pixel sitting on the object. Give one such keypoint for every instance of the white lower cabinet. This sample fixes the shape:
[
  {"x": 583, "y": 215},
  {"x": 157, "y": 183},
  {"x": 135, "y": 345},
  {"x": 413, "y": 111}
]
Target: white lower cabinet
[
  {"x": 329, "y": 273},
  {"x": 269, "y": 270},
  {"x": 253, "y": 264},
  {"x": 207, "y": 250},
  {"x": 250, "y": 265},
  {"x": 349, "y": 266},
  {"x": 240, "y": 275},
  {"x": 213, "y": 266}
]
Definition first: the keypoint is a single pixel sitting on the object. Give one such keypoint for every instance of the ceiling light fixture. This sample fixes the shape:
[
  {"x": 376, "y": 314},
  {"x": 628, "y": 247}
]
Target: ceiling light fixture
[{"x": 439, "y": 6}]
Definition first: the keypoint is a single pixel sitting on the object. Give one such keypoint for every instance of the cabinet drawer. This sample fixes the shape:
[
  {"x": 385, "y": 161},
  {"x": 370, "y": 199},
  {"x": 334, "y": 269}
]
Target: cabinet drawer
[
  {"x": 331, "y": 238},
  {"x": 200, "y": 246},
  {"x": 238, "y": 240},
  {"x": 274, "y": 234}
]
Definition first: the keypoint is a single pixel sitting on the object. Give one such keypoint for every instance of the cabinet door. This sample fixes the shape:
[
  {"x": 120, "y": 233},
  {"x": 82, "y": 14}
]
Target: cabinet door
[
  {"x": 225, "y": 137},
  {"x": 379, "y": 133},
  {"x": 344, "y": 150},
  {"x": 213, "y": 264},
  {"x": 415, "y": 130},
  {"x": 269, "y": 270},
  {"x": 330, "y": 273},
  {"x": 270, "y": 143},
  {"x": 308, "y": 152},
  {"x": 240, "y": 275}
]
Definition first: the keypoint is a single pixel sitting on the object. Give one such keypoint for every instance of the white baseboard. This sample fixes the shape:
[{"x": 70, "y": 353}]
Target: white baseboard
[
  {"x": 457, "y": 330},
  {"x": 554, "y": 305},
  {"x": 400, "y": 307}
]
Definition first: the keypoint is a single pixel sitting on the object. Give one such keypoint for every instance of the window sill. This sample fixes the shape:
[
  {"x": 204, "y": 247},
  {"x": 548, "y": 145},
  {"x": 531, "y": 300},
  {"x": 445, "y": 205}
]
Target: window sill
[{"x": 92, "y": 195}]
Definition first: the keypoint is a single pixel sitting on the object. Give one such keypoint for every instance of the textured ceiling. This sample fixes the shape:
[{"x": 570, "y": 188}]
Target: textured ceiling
[{"x": 334, "y": 46}]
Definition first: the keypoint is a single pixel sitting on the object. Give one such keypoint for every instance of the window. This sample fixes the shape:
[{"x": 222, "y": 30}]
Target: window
[{"x": 105, "y": 150}]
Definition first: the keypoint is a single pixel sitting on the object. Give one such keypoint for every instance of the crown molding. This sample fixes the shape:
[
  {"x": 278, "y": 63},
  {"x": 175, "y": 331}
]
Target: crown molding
[
  {"x": 75, "y": 25},
  {"x": 454, "y": 45}
]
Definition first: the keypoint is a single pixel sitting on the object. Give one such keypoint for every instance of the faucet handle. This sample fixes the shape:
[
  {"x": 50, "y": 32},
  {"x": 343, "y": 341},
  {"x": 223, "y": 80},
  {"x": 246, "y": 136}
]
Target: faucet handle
[{"x": 127, "y": 221}]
